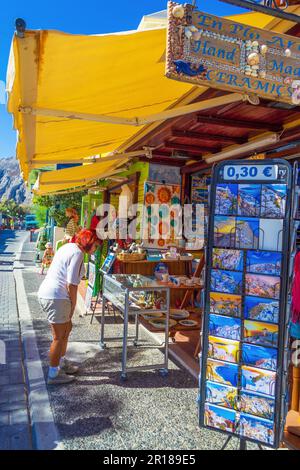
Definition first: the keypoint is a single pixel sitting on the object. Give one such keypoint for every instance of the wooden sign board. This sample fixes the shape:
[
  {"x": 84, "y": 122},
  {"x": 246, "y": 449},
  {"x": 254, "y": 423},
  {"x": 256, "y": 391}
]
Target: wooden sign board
[{"x": 219, "y": 53}]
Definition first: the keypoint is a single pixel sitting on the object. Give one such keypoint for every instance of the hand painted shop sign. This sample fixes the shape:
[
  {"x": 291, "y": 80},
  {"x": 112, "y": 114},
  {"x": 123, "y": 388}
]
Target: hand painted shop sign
[{"x": 207, "y": 50}]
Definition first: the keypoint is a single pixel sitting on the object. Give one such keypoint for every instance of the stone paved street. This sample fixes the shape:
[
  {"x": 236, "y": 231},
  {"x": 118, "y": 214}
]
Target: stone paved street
[
  {"x": 98, "y": 411},
  {"x": 14, "y": 418}
]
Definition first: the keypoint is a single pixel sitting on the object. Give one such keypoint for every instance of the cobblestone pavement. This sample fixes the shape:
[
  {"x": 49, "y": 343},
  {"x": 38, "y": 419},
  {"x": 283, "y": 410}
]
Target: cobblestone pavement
[{"x": 14, "y": 417}]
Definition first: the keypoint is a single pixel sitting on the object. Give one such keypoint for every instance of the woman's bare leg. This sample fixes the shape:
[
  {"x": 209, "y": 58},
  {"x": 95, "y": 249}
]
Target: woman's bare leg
[
  {"x": 59, "y": 331},
  {"x": 66, "y": 338}
]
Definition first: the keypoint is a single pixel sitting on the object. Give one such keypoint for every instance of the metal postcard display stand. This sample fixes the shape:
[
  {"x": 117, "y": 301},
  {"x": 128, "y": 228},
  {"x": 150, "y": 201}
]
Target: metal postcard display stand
[
  {"x": 245, "y": 353},
  {"x": 120, "y": 289}
]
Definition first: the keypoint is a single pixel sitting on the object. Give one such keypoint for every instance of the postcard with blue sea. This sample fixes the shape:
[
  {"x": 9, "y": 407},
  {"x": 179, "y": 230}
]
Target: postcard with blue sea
[
  {"x": 257, "y": 308},
  {"x": 220, "y": 418},
  {"x": 273, "y": 200},
  {"x": 222, "y": 372},
  {"x": 223, "y": 349},
  {"x": 221, "y": 395},
  {"x": 258, "y": 380},
  {"x": 226, "y": 199},
  {"x": 258, "y": 429},
  {"x": 264, "y": 334},
  {"x": 247, "y": 233},
  {"x": 257, "y": 404},
  {"x": 227, "y": 259},
  {"x": 226, "y": 281},
  {"x": 225, "y": 304},
  {"x": 225, "y": 327},
  {"x": 259, "y": 356},
  {"x": 264, "y": 262},
  {"x": 224, "y": 231},
  {"x": 249, "y": 196}
]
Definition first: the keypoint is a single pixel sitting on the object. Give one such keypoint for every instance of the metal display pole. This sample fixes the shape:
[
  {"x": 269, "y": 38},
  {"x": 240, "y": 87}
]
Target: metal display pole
[{"x": 125, "y": 334}]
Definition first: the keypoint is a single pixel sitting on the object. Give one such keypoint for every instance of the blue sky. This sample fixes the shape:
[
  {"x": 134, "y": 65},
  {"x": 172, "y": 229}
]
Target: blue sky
[{"x": 74, "y": 16}]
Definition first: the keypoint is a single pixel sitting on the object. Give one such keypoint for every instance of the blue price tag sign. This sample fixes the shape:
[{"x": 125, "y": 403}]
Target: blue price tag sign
[{"x": 250, "y": 172}]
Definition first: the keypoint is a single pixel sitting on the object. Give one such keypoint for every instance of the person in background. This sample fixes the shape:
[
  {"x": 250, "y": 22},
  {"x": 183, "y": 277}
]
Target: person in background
[
  {"x": 72, "y": 225},
  {"x": 47, "y": 257},
  {"x": 57, "y": 296}
]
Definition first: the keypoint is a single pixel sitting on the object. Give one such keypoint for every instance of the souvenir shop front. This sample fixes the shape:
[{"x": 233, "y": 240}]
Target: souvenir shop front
[{"x": 184, "y": 289}]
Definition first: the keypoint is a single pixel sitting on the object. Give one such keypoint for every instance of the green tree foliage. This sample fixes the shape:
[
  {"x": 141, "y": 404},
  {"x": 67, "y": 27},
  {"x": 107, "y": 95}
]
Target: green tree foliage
[
  {"x": 57, "y": 205},
  {"x": 10, "y": 208}
]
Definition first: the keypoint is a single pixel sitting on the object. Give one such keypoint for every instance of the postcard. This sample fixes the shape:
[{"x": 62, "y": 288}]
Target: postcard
[
  {"x": 257, "y": 404},
  {"x": 270, "y": 234},
  {"x": 223, "y": 349},
  {"x": 225, "y": 304},
  {"x": 257, "y": 332},
  {"x": 220, "y": 418},
  {"x": 262, "y": 286},
  {"x": 222, "y": 372},
  {"x": 247, "y": 233},
  {"x": 249, "y": 196},
  {"x": 226, "y": 281},
  {"x": 258, "y": 429},
  {"x": 225, "y": 327},
  {"x": 226, "y": 199},
  {"x": 258, "y": 381},
  {"x": 258, "y": 356},
  {"x": 273, "y": 200},
  {"x": 221, "y": 395},
  {"x": 264, "y": 262},
  {"x": 260, "y": 309},
  {"x": 224, "y": 231},
  {"x": 227, "y": 259}
]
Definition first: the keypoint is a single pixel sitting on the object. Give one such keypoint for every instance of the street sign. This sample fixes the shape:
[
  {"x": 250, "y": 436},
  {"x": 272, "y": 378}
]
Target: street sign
[{"x": 215, "y": 52}]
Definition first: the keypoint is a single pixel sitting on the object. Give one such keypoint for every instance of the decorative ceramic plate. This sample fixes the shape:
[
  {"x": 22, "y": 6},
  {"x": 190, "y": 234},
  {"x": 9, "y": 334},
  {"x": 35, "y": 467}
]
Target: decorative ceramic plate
[
  {"x": 178, "y": 314},
  {"x": 152, "y": 316},
  {"x": 188, "y": 323},
  {"x": 160, "y": 323}
]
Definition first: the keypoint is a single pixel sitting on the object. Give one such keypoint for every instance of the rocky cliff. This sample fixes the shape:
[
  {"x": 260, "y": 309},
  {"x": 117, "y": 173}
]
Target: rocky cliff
[{"x": 11, "y": 184}]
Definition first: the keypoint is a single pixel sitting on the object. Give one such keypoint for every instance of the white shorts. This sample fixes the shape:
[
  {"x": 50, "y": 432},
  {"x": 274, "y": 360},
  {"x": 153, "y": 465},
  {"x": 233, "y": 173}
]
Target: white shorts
[{"x": 58, "y": 310}]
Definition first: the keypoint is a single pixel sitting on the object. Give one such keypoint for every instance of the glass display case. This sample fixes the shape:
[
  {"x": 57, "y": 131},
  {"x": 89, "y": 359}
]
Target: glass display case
[{"x": 134, "y": 295}]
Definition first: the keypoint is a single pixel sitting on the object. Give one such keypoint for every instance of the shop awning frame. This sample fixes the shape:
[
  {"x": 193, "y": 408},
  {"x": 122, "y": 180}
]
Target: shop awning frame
[{"x": 136, "y": 121}]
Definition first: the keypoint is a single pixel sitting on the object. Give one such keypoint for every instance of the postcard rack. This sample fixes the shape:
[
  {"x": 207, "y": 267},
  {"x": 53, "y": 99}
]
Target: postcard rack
[{"x": 244, "y": 361}]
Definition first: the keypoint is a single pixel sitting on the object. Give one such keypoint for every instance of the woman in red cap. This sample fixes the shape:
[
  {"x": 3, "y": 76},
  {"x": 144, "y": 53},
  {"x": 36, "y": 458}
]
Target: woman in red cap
[{"x": 57, "y": 296}]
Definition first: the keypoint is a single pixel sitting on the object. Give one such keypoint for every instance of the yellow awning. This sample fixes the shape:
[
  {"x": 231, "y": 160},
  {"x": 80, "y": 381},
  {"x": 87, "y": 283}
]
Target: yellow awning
[
  {"x": 76, "y": 177},
  {"x": 53, "y": 75}
]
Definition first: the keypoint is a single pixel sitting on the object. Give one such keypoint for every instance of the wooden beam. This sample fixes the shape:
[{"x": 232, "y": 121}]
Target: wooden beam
[
  {"x": 284, "y": 153},
  {"x": 253, "y": 125},
  {"x": 163, "y": 160},
  {"x": 208, "y": 137},
  {"x": 191, "y": 148}
]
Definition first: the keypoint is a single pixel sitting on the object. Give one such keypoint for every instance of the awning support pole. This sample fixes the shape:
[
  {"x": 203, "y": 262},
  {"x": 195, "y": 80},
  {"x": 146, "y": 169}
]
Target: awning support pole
[
  {"x": 135, "y": 121},
  {"x": 146, "y": 151}
]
